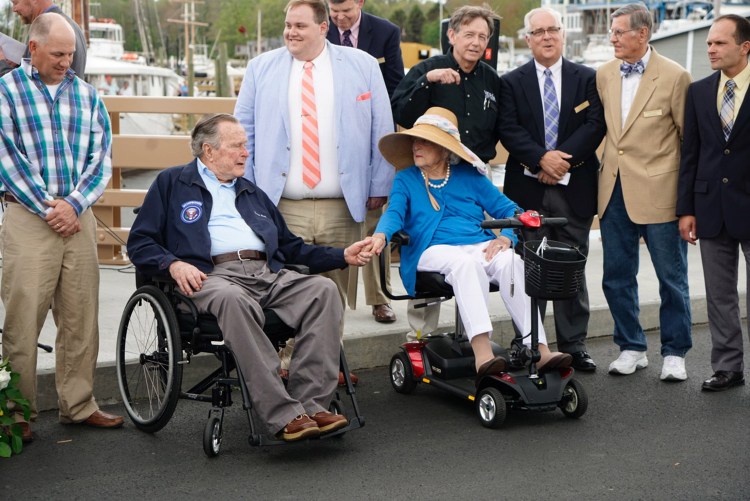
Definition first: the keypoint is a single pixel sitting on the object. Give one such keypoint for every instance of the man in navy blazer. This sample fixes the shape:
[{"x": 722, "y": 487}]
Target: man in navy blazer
[
  {"x": 556, "y": 176},
  {"x": 377, "y": 36},
  {"x": 352, "y": 27},
  {"x": 713, "y": 200}
]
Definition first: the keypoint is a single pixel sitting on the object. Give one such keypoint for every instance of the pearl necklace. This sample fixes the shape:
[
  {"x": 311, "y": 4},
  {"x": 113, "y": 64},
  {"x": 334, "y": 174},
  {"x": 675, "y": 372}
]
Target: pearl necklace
[{"x": 437, "y": 186}]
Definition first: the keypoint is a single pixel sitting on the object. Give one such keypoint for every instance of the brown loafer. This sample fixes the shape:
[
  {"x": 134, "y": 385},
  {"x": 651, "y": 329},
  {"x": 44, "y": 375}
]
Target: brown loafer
[
  {"x": 26, "y": 435},
  {"x": 100, "y": 419},
  {"x": 383, "y": 313},
  {"x": 491, "y": 368},
  {"x": 298, "y": 428},
  {"x": 558, "y": 361},
  {"x": 352, "y": 376},
  {"x": 328, "y": 422}
]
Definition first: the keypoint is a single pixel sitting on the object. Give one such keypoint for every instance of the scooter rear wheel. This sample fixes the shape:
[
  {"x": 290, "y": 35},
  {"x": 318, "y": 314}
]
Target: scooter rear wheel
[{"x": 491, "y": 407}]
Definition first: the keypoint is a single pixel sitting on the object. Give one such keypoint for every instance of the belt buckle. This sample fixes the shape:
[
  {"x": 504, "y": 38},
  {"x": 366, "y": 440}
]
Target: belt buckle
[{"x": 239, "y": 257}]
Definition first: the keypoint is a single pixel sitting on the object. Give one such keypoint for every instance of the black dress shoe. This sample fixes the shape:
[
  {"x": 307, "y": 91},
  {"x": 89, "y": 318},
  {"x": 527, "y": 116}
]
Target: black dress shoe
[
  {"x": 582, "y": 362},
  {"x": 723, "y": 380}
]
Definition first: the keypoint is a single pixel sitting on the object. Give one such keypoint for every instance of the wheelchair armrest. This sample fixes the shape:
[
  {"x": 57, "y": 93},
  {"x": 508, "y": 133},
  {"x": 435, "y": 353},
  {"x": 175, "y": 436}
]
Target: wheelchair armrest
[
  {"x": 397, "y": 240},
  {"x": 400, "y": 238}
]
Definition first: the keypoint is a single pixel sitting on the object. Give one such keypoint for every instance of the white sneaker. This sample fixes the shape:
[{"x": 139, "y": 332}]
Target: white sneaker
[
  {"x": 628, "y": 362},
  {"x": 673, "y": 369}
]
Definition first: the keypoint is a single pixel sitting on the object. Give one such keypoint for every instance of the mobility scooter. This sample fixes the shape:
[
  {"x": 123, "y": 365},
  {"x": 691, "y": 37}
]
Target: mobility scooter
[{"x": 553, "y": 270}]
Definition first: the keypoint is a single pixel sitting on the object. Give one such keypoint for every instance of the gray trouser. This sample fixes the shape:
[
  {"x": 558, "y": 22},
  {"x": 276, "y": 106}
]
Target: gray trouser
[{"x": 236, "y": 294}]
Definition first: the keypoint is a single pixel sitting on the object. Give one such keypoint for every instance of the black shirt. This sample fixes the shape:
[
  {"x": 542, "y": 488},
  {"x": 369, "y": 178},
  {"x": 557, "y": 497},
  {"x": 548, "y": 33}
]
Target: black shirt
[{"x": 474, "y": 101}]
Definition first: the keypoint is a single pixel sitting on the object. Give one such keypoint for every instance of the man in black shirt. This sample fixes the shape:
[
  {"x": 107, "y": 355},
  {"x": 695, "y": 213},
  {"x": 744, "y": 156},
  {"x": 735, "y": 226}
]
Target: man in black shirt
[{"x": 458, "y": 81}]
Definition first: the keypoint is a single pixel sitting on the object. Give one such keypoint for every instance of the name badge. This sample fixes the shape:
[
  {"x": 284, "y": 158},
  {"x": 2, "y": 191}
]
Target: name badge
[
  {"x": 581, "y": 107},
  {"x": 381, "y": 60},
  {"x": 652, "y": 113}
]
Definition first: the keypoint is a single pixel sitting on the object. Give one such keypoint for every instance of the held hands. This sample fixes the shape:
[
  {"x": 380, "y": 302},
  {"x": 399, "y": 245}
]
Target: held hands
[
  {"x": 62, "y": 219},
  {"x": 554, "y": 166},
  {"x": 378, "y": 243},
  {"x": 500, "y": 244},
  {"x": 687, "y": 229},
  {"x": 189, "y": 278},
  {"x": 443, "y": 76},
  {"x": 359, "y": 253}
]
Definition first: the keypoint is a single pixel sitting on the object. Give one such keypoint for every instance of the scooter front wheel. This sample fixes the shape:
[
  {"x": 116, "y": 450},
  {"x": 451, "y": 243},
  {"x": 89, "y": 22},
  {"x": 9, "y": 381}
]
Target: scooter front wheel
[
  {"x": 402, "y": 375},
  {"x": 491, "y": 407},
  {"x": 574, "y": 401}
]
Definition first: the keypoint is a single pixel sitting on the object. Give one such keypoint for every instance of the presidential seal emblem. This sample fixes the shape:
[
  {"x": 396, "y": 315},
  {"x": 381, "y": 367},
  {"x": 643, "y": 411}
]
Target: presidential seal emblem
[{"x": 191, "y": 211}]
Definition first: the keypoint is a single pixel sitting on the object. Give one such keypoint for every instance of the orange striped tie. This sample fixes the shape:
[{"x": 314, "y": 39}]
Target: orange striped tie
[{"x": 310, "y": 151}]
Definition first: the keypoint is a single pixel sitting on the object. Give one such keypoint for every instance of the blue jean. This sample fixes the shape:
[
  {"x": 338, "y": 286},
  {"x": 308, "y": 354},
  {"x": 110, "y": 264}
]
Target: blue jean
[{"x": 620, "y": 243}]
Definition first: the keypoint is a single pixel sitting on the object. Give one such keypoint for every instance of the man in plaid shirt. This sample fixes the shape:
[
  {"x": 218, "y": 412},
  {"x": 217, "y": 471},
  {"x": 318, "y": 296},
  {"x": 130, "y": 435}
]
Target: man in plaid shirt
[{"x": 55, "y": 162}]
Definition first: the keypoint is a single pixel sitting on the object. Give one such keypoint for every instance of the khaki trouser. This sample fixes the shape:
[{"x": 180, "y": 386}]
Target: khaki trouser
[
  {"x": 40, "y": 268},
  {"x": 371, "y": 272}
]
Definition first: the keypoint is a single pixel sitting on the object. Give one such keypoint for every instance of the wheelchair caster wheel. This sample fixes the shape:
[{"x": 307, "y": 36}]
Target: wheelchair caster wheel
[
  {"x": 491, "y": 407},
  {"x": 212, "y": 436}
]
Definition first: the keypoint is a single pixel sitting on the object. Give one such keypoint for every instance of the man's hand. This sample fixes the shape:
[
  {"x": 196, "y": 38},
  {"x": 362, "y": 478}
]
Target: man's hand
[
  {"x": 189, "y": 278},
  {"x": 500, "y": 244},
  {"x": 555, "y": 163},
  {"x": 443, "y": 76},
  {"x": 62, "y": 219},
  {"x": 687, "y": 229},
  {"x": 376, "y": 202},
  {"x": 359, "y": 253}
]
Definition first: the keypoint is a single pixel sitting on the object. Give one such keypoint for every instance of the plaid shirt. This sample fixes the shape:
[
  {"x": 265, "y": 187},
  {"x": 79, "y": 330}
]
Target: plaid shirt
[{"x": 52, "y": 147}]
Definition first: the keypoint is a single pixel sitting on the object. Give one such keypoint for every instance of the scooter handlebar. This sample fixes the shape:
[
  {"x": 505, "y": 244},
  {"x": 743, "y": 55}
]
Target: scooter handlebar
[{"x": 512, "y": 222}]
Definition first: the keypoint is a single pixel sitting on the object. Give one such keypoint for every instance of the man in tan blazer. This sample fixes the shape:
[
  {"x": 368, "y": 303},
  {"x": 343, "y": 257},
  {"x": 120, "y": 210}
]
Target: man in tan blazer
[{"x": 643, "y": 95}]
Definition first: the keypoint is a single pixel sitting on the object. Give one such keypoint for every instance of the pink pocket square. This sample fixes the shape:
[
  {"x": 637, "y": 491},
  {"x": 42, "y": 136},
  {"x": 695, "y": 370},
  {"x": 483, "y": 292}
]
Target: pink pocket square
[{"x": 364, "y": 97}]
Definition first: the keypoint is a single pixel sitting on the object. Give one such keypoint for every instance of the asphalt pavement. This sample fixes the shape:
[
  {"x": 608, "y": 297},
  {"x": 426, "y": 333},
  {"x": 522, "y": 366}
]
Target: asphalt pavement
[{"x": 640, "y": 439}]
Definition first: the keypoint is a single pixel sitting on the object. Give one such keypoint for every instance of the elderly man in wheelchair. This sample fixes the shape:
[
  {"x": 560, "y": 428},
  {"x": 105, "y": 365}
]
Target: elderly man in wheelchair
[{"x": 225, "y": 245}]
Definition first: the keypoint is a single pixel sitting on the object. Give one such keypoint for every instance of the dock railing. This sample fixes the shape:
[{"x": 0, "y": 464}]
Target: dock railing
[{"x": 144, "y": 152}]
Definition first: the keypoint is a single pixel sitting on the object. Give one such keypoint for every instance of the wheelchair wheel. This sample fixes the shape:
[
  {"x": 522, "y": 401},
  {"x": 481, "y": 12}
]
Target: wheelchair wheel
[
  {"x": 212, "y": 436},
  {"x": 491, "y": 407},
  {"x": 148, "y": 356},
  {"x": 402, "y": 375},
  {"x": 575, "y": 401}
]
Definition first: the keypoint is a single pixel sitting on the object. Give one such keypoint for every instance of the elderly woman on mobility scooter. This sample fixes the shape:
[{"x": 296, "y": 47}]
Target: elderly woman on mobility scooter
[{"x": 439, "y": 197}]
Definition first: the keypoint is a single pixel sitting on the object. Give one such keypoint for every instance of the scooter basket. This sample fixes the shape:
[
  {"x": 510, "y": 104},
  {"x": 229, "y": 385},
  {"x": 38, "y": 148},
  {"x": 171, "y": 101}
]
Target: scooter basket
[{"x": 554, "y": 272}]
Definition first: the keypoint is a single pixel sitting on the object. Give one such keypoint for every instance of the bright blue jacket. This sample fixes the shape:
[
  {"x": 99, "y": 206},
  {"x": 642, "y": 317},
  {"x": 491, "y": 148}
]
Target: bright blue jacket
[
  {"x": 409, "y": 209},
  {"x": 173, "y": 225}
]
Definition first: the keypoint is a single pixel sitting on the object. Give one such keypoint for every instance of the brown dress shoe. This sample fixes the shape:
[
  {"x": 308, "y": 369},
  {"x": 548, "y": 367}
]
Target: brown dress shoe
[
  {"x": 100, "y": 419},
  {"x": 298, "y": 428},
  {"x": 26, "y": 435},
  {"x": 383, "y": 313},
  {"x": 329, "y": 422},
  {"x": 352, "y": 376}
]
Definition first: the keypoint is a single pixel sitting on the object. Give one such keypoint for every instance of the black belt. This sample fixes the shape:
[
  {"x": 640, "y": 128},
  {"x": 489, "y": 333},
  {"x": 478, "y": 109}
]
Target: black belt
[
  {"x": 10, "y": 198},
  {"x": 240, "y": 255}
]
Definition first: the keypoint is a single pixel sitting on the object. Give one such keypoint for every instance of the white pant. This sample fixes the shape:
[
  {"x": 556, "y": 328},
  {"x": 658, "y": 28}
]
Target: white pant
[{"x": 470, "y": 274}]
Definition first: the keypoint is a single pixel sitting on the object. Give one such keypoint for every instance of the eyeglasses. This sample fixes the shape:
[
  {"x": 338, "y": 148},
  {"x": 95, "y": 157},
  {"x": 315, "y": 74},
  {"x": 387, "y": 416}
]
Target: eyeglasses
[
  {"x": 539, "y": 33},
  {"x": 617, "y": 33}
]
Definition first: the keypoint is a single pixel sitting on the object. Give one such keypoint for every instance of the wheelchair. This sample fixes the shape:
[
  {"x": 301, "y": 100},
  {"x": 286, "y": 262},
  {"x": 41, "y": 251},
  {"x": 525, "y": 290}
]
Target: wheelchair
[
  {"x": 446, "y": 361},
  {"x": 159, "y": 333}
]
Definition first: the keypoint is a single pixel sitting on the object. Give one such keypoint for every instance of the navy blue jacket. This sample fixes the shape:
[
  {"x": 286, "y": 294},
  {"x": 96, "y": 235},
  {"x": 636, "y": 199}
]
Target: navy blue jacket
[{"x": 172, "y": 225}]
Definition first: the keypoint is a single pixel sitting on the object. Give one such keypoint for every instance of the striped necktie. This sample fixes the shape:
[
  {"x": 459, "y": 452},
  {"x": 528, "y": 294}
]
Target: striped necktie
[
  {"x": 726, "y": 114},
  {"x": 310, "y": 145},
  {"x": 551, "y": 112},
  {"x": 346, "y": 40}
]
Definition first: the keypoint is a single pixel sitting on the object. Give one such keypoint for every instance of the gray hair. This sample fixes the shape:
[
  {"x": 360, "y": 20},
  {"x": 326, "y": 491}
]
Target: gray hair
[
  {"x": 206, "y": 131},
  {"x": 43, "y": 25},
  {"x": 640, "y": 17},
  {"x": 527, "y": 18},
  {"x": 467, "y": 13}
]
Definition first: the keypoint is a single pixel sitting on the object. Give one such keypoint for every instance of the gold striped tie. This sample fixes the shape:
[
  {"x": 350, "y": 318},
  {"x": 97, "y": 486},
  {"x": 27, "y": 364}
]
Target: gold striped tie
[{"x": 310, "y": 145}]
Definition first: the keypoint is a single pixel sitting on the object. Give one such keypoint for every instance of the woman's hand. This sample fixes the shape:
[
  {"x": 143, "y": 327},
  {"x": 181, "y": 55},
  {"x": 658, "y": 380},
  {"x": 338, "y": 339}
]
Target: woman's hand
[
  {"x": 500, "y": 244},
  {"x": 378, "y": 243}
]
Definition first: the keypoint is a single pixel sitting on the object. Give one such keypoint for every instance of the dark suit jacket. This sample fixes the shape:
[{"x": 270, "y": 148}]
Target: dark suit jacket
[
  {"x": 714, "y": 182},
  {"x": 382, "y": 40},
  {"x": 581, "y": 130}
]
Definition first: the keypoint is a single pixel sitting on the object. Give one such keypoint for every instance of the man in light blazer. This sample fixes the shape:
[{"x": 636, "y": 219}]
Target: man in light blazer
[
  {"x": 558, "y": 175},
  {"x": 643, "y": 94},
  {"x": 313, "y": 132},
  {"x": 713, "y": 199},
  {"x": 352, "y": 27}
]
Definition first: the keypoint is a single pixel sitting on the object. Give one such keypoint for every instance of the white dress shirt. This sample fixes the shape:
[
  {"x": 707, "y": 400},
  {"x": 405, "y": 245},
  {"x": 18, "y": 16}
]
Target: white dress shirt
[{"x": 630, "y": 87}]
